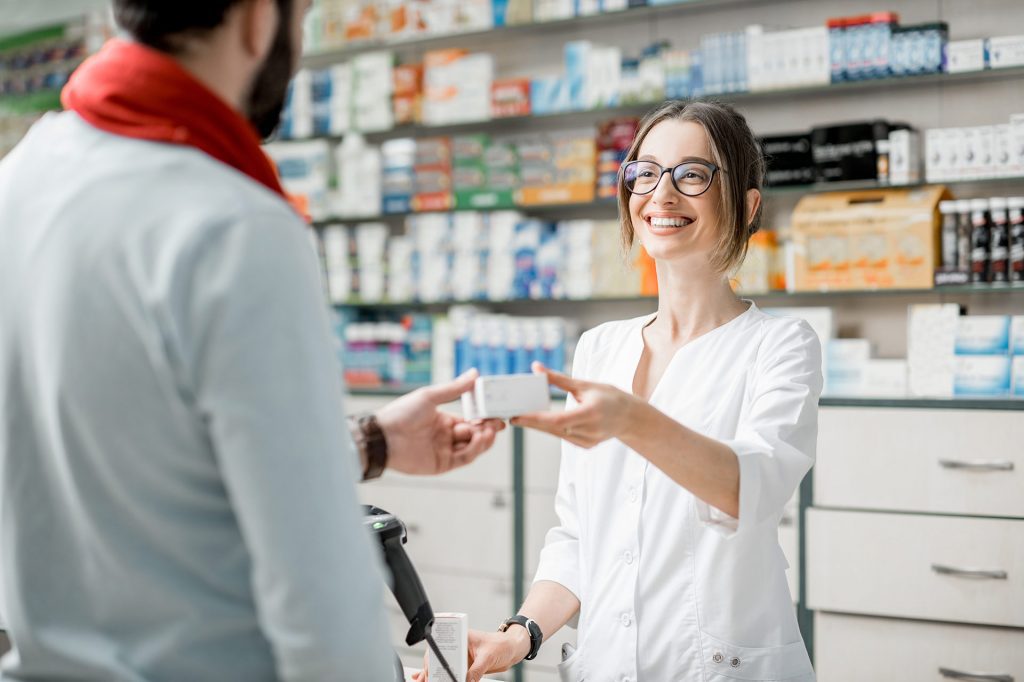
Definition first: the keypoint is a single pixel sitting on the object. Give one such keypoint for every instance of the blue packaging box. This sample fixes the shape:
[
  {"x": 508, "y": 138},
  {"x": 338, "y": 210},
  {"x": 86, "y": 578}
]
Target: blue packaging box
[
  {"x": 983, "y": 335},
  {"x": 982, "y": 376}
]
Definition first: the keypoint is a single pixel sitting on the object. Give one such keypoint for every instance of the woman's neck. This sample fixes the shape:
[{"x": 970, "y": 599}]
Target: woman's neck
[{"x": 692, "y": 301}]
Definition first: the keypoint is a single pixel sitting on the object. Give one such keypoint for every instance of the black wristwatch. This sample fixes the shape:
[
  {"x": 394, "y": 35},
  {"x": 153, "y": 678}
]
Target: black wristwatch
[{"x": 536, "y": 636}]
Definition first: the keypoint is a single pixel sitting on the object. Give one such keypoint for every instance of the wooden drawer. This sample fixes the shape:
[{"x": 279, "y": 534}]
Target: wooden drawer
[
  {"x": 463, "y": 531},
  {"x": 943, "y": 461},
  {"x": 533, "y": 672},
  {"x": 905, "y": 565},
  {"x": 855, "y": 649}
]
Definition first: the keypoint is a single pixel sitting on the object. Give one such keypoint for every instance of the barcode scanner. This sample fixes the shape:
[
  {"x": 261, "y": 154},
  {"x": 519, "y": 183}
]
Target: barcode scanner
[{"x": 405, "y": 582}]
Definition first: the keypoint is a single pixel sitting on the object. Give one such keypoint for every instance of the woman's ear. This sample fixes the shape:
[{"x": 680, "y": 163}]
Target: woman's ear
[{"x": 753, "y": 204}]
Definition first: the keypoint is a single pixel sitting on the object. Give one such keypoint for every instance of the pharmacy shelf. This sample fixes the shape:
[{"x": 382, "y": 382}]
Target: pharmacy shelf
[
  {"x": 382, "y": 391},
  {"x": 572, "y": 210},
  {"x": 569, "y": 210},
  {"x": 582, "y": 118},
  {"x": 37, "y": 102},
  {"x": 772, "y": 298},
  {"x": 463, "y": 39},
  {"x": 1009, "y": 404}
]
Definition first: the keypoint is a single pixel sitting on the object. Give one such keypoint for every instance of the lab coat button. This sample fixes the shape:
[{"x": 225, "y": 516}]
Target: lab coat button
[
  {"x": 718, "y": 658},
  {"x": 627, "y": 620},
  {"x": 627, "y": 556},
  {"x": 734, "y": 662},
  {"x": 632, "y": 495}
]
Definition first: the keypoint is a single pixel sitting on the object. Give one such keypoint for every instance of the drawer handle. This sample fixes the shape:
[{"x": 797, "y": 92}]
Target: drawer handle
[
  {"x": 1002, "y": 465},
  {"x": 969, "y": 572},
  {"x": 977, "y": 677}
]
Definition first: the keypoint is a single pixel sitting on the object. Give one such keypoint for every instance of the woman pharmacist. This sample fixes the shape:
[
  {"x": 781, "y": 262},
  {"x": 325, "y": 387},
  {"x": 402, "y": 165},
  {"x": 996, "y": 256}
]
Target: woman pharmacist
[{"x": 685, "y": 434}]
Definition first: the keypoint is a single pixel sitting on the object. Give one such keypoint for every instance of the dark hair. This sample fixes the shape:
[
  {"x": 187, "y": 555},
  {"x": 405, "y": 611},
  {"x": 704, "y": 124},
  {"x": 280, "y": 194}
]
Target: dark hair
[
  {"x": 163, "y": 24},
  {"x": 734, "y": 149}
]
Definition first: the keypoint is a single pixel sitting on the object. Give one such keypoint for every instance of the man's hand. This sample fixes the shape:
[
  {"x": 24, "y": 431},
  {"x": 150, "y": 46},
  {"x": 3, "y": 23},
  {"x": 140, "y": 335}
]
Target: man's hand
[{"x": 424, "y": 440}]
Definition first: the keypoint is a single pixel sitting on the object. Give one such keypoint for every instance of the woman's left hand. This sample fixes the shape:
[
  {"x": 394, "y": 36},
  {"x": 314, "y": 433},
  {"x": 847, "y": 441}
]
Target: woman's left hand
[{"x": 602, "y": 411}]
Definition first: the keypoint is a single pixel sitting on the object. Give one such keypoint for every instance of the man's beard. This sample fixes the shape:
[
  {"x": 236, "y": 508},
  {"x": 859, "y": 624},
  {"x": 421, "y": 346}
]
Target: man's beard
[{"x": 270, "y": 88}]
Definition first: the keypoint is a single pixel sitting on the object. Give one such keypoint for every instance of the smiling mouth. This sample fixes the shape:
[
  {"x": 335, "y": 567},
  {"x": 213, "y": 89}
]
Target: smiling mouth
[{"x": 679, "y": 221}]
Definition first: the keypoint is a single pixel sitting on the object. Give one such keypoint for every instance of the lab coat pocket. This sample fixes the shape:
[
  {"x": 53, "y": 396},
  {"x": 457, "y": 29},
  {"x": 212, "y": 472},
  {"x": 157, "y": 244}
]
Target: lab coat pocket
[
  {"x": 724, "y": 661},
  {"x": 571, "y": 669}
]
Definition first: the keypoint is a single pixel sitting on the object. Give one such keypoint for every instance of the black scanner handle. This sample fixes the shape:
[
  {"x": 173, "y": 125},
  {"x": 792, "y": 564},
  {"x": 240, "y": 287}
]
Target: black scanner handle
[
  {"x": 408, "y": 590},
  {"x": 405, "y": 582}
]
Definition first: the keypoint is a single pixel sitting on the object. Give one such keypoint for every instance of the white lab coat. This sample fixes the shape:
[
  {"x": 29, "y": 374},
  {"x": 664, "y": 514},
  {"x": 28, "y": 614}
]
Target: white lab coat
[
  {"x": 670, "y": 587},
  {"x": 175, "y": 468}
]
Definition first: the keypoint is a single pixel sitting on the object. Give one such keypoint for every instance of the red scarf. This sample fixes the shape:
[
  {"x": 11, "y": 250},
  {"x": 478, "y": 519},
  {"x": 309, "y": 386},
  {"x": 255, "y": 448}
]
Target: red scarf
[{"x": 131, "y": 90}]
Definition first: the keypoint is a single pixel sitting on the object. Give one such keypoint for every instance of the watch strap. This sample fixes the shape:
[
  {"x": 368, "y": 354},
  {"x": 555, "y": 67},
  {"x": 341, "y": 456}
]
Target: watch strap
[
  {"x": 536, "y": 636},
  {"x": 370, "y": 440}
]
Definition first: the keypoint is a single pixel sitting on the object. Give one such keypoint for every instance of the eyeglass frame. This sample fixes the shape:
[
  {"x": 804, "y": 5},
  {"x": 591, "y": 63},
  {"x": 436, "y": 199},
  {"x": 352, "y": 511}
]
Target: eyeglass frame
[{"x": 671, "y": 171}]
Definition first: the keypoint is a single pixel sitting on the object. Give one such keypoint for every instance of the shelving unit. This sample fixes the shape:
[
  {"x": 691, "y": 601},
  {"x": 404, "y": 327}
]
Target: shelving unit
[
  {"x": 608, "y": 205},
  {"x": 934, "y": 100},
  {"x": 511, "y": 32},
  {"x": 589, "y": 116},
  {"x": 776, "y": 298}
]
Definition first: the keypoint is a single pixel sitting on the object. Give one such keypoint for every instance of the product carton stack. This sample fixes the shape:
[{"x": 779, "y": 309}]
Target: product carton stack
[
  {"x": 485, "y": 174},
  {"x": 558, "y": 169},
  {"x": 878, "y": 239}
]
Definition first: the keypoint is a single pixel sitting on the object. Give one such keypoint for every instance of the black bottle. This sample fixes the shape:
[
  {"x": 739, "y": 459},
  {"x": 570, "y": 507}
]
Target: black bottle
[
  {"x": 963, "y": 236},
  {"x": 981, "y": 240},
  {"x": 999, "y": 241},
  {"x": 1016, "y": 217}
]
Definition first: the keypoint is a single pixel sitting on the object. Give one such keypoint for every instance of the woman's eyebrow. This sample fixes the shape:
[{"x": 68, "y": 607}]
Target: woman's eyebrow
[{"x": 685, "y": 159}]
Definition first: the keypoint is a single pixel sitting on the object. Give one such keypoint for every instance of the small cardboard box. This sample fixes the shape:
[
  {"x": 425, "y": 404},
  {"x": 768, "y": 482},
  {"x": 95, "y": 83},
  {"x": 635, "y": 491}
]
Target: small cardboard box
[{"x": 875, "y": 239}]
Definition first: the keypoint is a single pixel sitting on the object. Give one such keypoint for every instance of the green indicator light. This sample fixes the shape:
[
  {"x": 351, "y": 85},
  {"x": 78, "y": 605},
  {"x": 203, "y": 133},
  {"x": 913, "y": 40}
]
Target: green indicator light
[{"x": 378, "y": 525}]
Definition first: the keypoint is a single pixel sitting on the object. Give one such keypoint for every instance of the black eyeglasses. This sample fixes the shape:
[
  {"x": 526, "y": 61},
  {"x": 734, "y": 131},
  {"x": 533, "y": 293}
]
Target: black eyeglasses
[{"x": 691, "y": 178}]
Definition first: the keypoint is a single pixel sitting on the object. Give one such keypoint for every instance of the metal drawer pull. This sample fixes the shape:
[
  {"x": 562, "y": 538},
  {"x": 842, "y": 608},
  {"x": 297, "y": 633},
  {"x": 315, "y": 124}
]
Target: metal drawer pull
[
  {"x": 969, "y": 572},
  {"x": 1001, "y": 465},
  {"x": 960, "y": 675}
]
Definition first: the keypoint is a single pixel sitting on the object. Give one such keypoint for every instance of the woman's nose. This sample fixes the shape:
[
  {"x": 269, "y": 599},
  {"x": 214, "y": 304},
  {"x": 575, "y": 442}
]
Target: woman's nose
[{"x": 665, "y": 191}]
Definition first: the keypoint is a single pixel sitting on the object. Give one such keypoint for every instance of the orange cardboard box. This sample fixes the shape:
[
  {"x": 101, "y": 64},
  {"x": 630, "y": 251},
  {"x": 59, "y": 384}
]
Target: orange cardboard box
[{"x": 873, "y": 239}]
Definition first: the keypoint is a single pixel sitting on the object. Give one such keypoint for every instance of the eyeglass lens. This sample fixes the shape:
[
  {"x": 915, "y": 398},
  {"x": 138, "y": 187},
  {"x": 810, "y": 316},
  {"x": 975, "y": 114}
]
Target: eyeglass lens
[{"x": 641, "y": 177}]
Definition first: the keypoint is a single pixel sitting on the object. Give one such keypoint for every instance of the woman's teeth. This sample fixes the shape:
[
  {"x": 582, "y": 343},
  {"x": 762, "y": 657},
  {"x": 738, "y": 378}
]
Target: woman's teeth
[{"x": 670, "y": 222}]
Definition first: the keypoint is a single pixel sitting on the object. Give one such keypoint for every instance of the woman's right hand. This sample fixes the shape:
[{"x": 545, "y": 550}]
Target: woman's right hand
[{"x": 490, "y": 652}]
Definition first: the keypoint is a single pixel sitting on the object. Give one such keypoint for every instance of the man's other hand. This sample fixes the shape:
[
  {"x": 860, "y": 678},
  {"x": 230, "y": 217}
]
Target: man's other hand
[{"x": 424, "y": 440}]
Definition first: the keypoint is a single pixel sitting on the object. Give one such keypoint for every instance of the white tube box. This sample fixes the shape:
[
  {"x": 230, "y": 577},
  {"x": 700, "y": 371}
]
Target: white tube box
[
  {"x": 451, "y": 634},
  {"x": 1005, "y": 51},
  {"x": 507, "y": 395},
  {"x": 965, "y": 55}
]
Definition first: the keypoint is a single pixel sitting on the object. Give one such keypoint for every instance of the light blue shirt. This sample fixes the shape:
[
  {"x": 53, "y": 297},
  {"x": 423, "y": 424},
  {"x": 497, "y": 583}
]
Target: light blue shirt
[{"x": 177, "y": 475}]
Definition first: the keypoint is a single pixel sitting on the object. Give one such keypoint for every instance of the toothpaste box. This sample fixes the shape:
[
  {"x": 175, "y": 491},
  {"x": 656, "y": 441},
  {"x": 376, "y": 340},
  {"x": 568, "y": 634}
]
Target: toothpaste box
[
  {"x": 982, "y": 376},
  {"x": 983, "y": 335}
]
